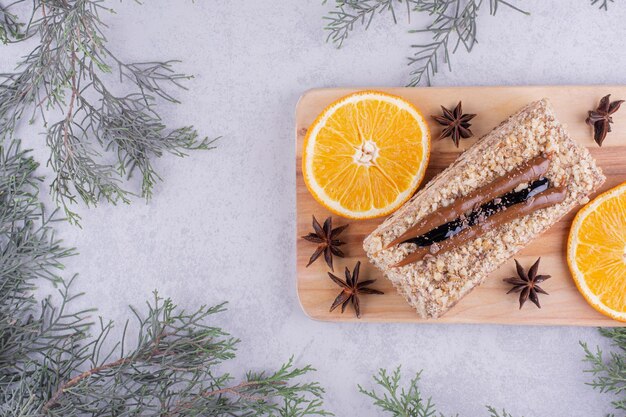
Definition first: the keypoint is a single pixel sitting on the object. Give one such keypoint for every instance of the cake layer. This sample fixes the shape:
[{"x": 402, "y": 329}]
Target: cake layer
[{"x": 433, "y": 285}]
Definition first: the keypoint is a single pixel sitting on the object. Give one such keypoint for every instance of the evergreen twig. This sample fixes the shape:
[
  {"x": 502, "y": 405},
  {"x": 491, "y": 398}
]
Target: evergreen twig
[
  {"x": 454, "y": 24},
  {"x": 68, "y": 73},
  {"x": 602, "y": 4},
  {"x": 51, "y": 366},
  {"x": 172, "y": 372},
  {"x": 609, "y": 371},
  {"x": 29, "y": 252},
  {"x": 10, "y": 28},
  {"x": 349, "y": 13},
  {"x": 398, "y": 401},
  {"x": 495, "y": 413}
]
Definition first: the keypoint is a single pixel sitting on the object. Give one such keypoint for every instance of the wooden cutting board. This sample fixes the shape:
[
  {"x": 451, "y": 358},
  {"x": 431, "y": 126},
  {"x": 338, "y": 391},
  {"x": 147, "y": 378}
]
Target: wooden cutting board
[{"x": 489, "y": 302}]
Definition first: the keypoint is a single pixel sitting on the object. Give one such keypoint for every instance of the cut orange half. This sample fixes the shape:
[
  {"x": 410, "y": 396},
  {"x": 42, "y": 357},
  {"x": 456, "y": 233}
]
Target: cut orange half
[
  {"x": 366, "y": 154},
  {"x": 596, "y": 252}
]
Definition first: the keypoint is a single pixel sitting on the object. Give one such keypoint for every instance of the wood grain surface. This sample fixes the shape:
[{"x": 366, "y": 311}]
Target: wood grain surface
[{"x": 488, "y": 303}]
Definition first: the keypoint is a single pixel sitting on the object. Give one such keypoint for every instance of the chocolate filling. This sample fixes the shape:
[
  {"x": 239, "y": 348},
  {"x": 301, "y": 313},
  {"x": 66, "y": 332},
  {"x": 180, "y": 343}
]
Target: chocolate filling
[
  {"x": 454, "y": 227},
  {"x": 525, "y": 173},
  {"x": 484, "y": 209},
  {"x": 542, "y": 200}
]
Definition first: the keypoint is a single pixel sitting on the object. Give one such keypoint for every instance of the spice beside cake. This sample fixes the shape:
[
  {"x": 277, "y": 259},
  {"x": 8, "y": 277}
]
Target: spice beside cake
[{"x": 512, "y": 185}]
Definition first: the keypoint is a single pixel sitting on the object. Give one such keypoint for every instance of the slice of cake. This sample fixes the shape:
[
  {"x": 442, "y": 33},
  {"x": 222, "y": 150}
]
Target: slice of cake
[{"x": 446, "y": 239}]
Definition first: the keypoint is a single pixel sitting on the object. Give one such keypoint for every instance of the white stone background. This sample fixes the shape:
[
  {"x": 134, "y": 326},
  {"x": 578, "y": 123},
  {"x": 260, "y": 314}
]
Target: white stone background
[{"x": 221, "y": 225}]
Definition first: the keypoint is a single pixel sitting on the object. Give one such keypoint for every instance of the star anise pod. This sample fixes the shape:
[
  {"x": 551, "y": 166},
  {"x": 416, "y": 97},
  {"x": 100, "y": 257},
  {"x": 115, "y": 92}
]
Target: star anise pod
[
  {"x": 526, "y": 284},
  {"x": 600, "y": 118},
  {"x": 456, "y": 124},
  {"x": 327, "y": 242},
  {"x": 351, "y": 289}
]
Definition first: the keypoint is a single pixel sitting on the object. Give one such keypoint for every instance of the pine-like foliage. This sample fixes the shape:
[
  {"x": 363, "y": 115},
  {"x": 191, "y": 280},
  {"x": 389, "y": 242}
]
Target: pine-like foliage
[
  {"x": 67, "y": 81},
  {"x": 495, "y": 413},
  {"x": 609, "y": 371},
  {"x": 602, "y": 4},
  {"x": 453, "y": 25},
  {"x": 51, "y": 366},
  {"x": 398, "y": 401},
  {"x": 29, "y": 252}
]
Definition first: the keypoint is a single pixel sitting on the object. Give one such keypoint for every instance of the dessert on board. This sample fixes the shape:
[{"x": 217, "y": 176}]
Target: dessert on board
[
  {"x": 365, "y": 157},
  {"x": 500, "y": 194}
]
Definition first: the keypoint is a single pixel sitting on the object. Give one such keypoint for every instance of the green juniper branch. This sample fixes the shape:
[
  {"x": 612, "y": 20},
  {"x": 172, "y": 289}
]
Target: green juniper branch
[
  {"x": 609, "y": 371},
  {"x": 171, "y": 372},
  {"x": 10, "y": 28},
  {"x": 51, "y": 366},
  {"x": 37, "y": 341},
  {"x": 398, "y": 401},
  {"x": 602, "y": 4},
  {"x": 454, "y": 24},
  {"x": 495, "y": 413},
  {"x": 67, "y": 73},
  {"x": 29, "y": 252},
  {"x": 350, "y": 13}
]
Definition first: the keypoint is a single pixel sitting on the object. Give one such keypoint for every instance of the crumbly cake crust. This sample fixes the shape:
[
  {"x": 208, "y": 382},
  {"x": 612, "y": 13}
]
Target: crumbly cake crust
[{"x": 434, "y": 285}]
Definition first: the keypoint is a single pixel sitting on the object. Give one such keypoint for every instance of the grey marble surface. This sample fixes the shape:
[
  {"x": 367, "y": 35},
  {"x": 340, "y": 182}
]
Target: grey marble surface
[{"x": 221, "y": 226}]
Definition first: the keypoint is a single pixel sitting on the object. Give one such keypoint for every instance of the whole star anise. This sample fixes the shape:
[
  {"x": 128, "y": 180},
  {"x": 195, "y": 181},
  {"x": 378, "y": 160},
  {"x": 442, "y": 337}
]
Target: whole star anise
[
  {"x": 600, "y": 118},
  {"x": 456, "y": 124},
  {"x": 526, "y": 284},
  {"x": 351, "y": 289},
  {"x": 327, "y": 242}
]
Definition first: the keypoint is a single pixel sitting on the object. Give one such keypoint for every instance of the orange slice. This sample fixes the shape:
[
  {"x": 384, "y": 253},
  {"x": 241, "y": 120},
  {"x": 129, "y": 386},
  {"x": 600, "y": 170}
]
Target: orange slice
[
  {"x": 596, "y": 252},
  {"x": 366, "y": 154}
]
